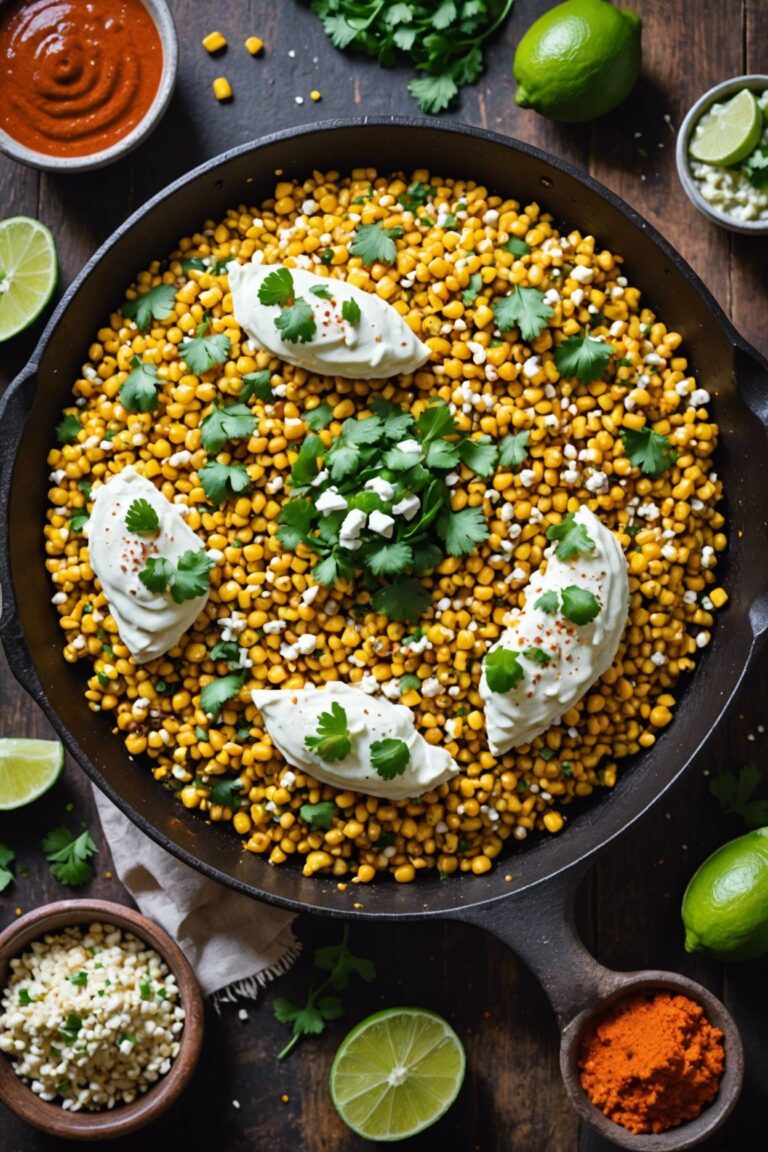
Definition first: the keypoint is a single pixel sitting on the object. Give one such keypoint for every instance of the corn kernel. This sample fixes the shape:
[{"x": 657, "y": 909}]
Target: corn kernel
[
  {"x": 222, "y": 89},
  {"x": 214, "y": 42},
  {"x": 254, "y": 45}
]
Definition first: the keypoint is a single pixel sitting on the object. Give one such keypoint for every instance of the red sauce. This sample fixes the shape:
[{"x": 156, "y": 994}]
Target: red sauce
[{"x": 76, "y": 76}]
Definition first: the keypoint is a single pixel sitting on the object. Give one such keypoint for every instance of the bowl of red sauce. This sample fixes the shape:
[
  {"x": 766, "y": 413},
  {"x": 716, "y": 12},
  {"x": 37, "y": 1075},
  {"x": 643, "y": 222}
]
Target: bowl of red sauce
[{"x": 82, "y": 82}]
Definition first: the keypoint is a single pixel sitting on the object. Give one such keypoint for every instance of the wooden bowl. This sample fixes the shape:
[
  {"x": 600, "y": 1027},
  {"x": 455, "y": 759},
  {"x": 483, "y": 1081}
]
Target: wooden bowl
[{"x": 123, "y": 1118}]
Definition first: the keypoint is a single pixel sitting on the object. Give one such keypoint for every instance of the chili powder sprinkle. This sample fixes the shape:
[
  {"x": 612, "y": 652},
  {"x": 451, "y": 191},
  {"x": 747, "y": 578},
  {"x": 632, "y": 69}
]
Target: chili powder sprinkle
[{"x": 652, "y": 1062}]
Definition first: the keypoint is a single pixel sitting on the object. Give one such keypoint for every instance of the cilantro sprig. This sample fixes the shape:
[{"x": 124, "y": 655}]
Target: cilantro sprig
[
  {"x": 203, "y": 352},
  {"x": 572, "y": 538},
  {"x": 7, "y": 856},
  {"x": 583, "y": 357},
  {"x": 322, "y": 1003},
  {"x": 331, "y": 740},
  {"x": 68, "y": 428},
  {"x": 68, "y": 856},
  {"x": 375, "y": 244},
  {"x": 138, "y": 392},
  {"x": 524, "y": 309},
  {"x": 296, "y": 321},
  {"x": 503, "y": 670},
  {"x": 647, "y": 450},
  {"x": 736, "y": 793},
  {"x": 187, "y": 579},
  {"x": 215, "y": 694},
  {"x": 443, "y": 39},
  {"x": 141, "y": 517},
  {"x": 390, "y": 757},
  {"x": 233, "y": 422},
  {"x": 413, "y": 457},
  {"x": 157, "y": 304}
]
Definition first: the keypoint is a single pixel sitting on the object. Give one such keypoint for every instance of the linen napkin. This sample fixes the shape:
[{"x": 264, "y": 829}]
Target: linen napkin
[{"x": 235, "y": 945}]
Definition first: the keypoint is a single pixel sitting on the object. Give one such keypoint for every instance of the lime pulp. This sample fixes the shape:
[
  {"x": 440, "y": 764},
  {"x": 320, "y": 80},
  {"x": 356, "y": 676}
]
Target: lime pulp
[
  {"x": 28, "y": 272},
  {"x": 729, "y": 132},
  {"x": 28, "y": 768}
]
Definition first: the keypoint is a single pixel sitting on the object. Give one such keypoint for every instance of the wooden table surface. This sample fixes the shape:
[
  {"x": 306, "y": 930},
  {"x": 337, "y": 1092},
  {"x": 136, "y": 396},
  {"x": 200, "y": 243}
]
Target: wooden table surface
[{"x": 513, "y": 1099}]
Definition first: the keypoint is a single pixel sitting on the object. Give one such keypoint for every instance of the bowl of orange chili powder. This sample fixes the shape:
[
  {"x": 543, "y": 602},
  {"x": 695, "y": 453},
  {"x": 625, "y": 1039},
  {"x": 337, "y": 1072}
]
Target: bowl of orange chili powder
[
  {"x": 83, "y": 84},
  {"x": 658, "y": 1065}
]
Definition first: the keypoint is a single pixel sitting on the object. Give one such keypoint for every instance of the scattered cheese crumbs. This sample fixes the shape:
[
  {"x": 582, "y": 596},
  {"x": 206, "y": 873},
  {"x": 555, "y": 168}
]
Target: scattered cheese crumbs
[
  {"x": 222, "y": 89},
  {"x": 90, "y": 1017},
  {"x": 254, "y": 45},
  {"x": 214, "y": 42},
  {"x": 298, "y": 99}
]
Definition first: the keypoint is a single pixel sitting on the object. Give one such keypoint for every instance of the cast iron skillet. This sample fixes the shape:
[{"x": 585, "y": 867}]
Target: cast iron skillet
[{"x": 533, "y": 914}]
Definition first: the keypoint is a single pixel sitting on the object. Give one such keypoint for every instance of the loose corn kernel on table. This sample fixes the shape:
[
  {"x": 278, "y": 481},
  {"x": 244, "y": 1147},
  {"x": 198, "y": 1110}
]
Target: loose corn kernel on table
[{"x": 629, "y": 907}]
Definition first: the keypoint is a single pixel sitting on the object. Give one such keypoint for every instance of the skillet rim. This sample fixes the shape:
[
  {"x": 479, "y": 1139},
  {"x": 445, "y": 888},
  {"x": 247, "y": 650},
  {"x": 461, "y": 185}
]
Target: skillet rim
[{"x": 19, "y": 653}]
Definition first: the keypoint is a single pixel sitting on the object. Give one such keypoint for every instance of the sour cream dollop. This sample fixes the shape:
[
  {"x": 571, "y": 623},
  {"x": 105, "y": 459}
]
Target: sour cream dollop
[
  {"x": 380, "y": 344},
  {"x": 290, "y": 716},
  {"x": 149, "y": 623},
  {"x": 579, "y": 654}
]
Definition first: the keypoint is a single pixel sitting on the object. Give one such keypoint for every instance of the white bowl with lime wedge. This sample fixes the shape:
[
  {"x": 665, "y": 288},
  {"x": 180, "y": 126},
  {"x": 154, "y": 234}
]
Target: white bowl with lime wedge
[{"x": 722, "y": 154}]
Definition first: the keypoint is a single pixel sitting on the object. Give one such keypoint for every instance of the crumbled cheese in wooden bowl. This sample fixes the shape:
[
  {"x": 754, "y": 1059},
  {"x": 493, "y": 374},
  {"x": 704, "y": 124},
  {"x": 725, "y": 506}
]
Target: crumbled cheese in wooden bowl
[{"x": 90, "y": 1017}]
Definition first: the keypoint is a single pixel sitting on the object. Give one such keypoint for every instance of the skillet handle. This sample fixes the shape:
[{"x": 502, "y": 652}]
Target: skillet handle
[
  {"x": 751, "y": 371},
  {"x": 539, "y": 927}
]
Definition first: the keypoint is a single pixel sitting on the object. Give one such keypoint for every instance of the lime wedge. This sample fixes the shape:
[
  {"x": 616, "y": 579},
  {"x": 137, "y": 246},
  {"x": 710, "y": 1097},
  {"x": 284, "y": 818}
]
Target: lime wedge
[
  {"x": 396, "y": 1073},
  {"x": 728, "y": 135},
  {"x": 27, "y": 272},
  {"x": 27, "y": 769}
]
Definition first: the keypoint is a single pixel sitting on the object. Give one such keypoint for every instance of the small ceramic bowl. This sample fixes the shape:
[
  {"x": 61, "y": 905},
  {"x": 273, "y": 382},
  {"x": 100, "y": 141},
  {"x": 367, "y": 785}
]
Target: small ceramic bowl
[
  {"x": 163, "y": 21},
  {"x": 124, "y": 1118},
  {"x": 758, "y": 84}
]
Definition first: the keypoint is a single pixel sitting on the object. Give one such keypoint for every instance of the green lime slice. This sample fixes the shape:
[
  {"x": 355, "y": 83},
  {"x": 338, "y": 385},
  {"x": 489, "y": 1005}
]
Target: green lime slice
[
  {"x": 727, "y": 136},
  {"x": 28, "y": 272},
  {"x": 27, "y": 769},
  {"x": 396, "y": 1073}
]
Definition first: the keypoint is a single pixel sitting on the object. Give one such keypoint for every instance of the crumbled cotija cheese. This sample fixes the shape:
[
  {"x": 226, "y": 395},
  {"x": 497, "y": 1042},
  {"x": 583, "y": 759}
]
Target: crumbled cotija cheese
[{"x": 91, "y": 1017}]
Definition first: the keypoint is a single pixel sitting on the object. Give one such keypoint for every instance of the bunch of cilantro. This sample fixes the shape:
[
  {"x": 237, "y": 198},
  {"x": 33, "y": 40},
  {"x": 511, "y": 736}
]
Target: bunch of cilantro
[
  {"x": 366, "y": 449},
  {"x": 441, "y": 38}
]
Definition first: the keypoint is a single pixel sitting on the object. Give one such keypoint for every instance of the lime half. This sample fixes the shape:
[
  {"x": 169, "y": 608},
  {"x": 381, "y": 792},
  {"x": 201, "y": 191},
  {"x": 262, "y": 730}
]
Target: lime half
[
  {"x": 27, "y": 272},
  {"x": 728, "y": 134},
  {"x": 396, "y": 1073},
  {"x": 27, "y": 769}
]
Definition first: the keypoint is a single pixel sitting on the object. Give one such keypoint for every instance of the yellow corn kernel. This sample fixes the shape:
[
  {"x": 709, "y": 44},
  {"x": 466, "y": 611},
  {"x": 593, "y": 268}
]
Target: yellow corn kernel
[
  {"x": 315, "y": 95},
  {"x": 214, "y": 42},
  {"x": 222, "y": 89},
  {"x": 718, "y": 596},
  {"x": 254, "y": 45},
  {"x": 553, "y": 821}
]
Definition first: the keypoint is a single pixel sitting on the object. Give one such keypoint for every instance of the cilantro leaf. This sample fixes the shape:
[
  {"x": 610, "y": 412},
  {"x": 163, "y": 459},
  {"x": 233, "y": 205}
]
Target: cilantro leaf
[
  {"x": 479, "y": 455},
  {"x": 503, "y": 670},
  {"x": 295, "y": 520},
  {"x": 647, "y": 450},
  {"x": 257, "y": 384},
  {"x": 735, "y": 793},
  {"x": 416, "y": 194},
  {"x": 319, "y": 417},
  {"x": 222, "y": 480},
  {"x": 583, "y": 357},
  {"x": 342, "y": 963},
  {"x": 319, "y": 816},
  {"x": 68, "y": 428},
  {"x": 142, "y": 517},
  {"x": 462, "y": 531},
  {"x": 350, "y": 311},
  {"x": 68, "y": 856},
  {"x": 572, "y": 538},
  {"x": 235, "y": 422},
  {"x": 228, "y": 650},
  {"x": 409, "y": 683},
  {"x": 276, "y": 288},
  {"x": 332, "y": 740},
  {"x": 525, "y": 309},
  {"x": 78, "y": 520},
  {"x": 192, "y": 576},
  {"x": 516, "y": 246},
  {"x": 396, "y": 423},
  {"x": 321, "y": 291},
  {"x": 537, "y": 655},
  {"x": 192, "y": 264},
  {"x": 305, "y": 466},
  {"x": 138, "y": 392},
  {"x": 404, "y": 599},
  {"x": 433, "y": 94},
  {"x": 436, "y": 421},
  {"x": 202, "y": 352},
  {"x": 157, "y": 573},
  {"x": 549, "y": 602},
  {"x": 157, "y": 304},
  {"x": 228, "y": 793},
  {"x": 364, "y": 431},
  {"x": 473, "y": 289},
  {"x": 215, "y": 695},
  {"x": 6, "y": 874},
  {"x": 71, "y": 1027},
  {"x": 390, "y": 757},
  {"x": 755, "y": 167},
  {"x": 374, "y": 244},
  {"x": 80, "y": 979},
  {"x": 579, "y": 605},
  {"x": 389, "y": 558},
  {"x": 513, "y": 449},
  {"x": 441, "y": 454},
  {"x": 296, "y": 324}
]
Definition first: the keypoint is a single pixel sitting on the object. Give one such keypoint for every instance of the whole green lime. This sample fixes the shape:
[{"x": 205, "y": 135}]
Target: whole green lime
[
  {"x": 578, "y": 61},
  {"x": 725, "y": 906}
]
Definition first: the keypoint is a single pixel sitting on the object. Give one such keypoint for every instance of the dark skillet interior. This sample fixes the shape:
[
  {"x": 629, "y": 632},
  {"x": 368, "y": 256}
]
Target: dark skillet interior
[{"x": 246, "y": 176}]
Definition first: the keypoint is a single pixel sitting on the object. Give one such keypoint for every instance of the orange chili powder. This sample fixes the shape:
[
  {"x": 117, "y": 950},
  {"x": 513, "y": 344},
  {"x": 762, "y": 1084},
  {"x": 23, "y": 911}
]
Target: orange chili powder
[{"x": 652, "y": 1062}]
